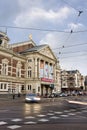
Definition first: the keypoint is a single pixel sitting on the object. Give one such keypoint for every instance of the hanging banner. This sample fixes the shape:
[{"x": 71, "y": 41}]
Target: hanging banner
[
  {"x": 47, "y": 80},
  {"x": 50, "y": 72},
  {"x": 46, "y": 70}
]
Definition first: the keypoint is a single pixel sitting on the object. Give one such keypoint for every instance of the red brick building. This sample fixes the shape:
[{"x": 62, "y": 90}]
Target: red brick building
[{"x": 20, "y": 67}]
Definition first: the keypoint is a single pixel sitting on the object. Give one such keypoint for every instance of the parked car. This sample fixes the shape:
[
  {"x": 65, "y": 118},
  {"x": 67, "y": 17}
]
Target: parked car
[
  {"x": 56, "y": 94},
  {"x": 31, "y": 97},
  {"x": 63, "y": 95}
]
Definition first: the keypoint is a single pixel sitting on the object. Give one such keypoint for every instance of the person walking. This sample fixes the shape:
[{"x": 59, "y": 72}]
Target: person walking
[{"x": 13, "y": 95}]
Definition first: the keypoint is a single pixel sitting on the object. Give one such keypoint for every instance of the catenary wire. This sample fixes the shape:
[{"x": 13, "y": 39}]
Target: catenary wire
[
  {"x": 60, "y": 53},
  {"x": 41, "y": 29},
  {"x": 72, "y": 56},
  {"x": 70, "y": 5},
  {"x": 73, "y": 45},
  {"x": 37, "y": 29}
]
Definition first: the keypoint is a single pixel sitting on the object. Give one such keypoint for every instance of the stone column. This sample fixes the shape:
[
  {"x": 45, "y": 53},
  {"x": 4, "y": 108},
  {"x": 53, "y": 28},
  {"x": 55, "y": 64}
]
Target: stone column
[
  {"x": 38, "y": 68},
  {"x": 35, "y": 67},
  {"x": 54, "y": 72}
]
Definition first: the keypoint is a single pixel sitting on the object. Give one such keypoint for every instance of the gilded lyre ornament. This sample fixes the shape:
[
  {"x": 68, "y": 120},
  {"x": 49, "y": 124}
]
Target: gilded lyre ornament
[{"x": 30, "y": 36}]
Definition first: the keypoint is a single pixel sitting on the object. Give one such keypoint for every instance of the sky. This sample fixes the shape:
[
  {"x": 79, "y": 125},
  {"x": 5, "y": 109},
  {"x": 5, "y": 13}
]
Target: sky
[{"x": 62, "y": 24}]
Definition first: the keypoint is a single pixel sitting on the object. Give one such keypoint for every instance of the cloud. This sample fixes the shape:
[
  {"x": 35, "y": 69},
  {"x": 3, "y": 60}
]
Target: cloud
[
  {"x": 34, "y": 16},
  {"x": 75, "y": 26},
  {"x": 52, "y": 39}
]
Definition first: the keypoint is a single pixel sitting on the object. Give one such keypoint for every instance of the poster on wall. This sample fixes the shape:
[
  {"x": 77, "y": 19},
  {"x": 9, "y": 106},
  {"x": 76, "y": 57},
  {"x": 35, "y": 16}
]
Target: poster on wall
[
  {"x": 50, "y": 72},
  {"x": 46, "y": 70}
]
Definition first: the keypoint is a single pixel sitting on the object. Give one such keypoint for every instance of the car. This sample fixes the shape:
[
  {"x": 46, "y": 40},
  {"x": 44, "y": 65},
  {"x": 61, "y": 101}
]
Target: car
[
  {"x": 63, "y": 95},
  {"x": 32, "y": 97}
]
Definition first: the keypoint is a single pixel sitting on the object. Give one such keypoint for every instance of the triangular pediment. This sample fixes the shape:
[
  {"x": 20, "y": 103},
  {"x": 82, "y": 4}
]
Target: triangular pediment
[{"x": 46, "y": 51}]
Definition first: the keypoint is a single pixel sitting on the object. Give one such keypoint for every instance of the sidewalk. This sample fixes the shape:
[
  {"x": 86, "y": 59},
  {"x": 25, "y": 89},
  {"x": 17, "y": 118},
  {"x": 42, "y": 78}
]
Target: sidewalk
[
  {"x": 22, "y": 98},
  {"x": 11, "y": 98}
]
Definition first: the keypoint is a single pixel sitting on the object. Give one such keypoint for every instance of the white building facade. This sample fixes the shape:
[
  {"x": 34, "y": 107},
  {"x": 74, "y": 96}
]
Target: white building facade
[{"x": 27, "y": 68}]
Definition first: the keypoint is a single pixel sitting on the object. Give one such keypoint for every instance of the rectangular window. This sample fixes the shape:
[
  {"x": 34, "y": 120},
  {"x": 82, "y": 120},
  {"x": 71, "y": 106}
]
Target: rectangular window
[
  {"x": 29, "y": 73},
  {"x": 38, "y": 89},
  {"x": 18, "y": 72},
  {"x": 1, "y": 86},
  {"x": 29, "y": 87},
  {"x": 22, "y": 88},
  {"x": 5, "y": 86},
  {"x": 4, "y": 69}
]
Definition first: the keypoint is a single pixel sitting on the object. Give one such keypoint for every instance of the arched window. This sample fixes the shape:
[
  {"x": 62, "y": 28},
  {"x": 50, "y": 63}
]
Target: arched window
[{"x": 4, "y": 68}]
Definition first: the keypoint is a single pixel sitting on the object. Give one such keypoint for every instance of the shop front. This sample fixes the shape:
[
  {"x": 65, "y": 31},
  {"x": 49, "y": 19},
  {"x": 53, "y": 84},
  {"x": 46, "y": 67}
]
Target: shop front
[{"x": 47, "y": 86}]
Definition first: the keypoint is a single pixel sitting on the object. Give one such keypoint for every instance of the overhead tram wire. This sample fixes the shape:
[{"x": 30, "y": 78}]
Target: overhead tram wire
[
  {"x": 72, "y": 29},
  {"x": 37, "y": 29},
  {"x": 80, "y": 11},
  {"x": 70, "y": 5},
  {"x": 81, "y": 31},
  {"x": 73, "y": 45},
  {"x": 72, "y": 56},
  {"x": 71, "y": 52},
  {"x": 52, "y": 30}
]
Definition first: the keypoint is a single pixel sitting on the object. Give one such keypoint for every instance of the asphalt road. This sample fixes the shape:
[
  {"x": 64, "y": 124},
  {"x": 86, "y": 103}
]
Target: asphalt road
[{"x": 18, "y": 115}]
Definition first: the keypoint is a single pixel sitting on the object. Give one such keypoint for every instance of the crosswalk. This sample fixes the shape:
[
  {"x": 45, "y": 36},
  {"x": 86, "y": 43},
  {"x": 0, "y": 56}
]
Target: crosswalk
[{"x": 45, "y": 117}]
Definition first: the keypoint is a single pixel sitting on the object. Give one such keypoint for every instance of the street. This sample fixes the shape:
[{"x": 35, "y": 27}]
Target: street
[{"x": 18, "y": 115}]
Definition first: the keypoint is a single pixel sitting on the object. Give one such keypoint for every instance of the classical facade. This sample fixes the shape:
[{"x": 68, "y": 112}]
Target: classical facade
[
  {"x": 85, "y": 83},
  {"x": 27, "y": 68},
  {"x": 72, "y": 80}
]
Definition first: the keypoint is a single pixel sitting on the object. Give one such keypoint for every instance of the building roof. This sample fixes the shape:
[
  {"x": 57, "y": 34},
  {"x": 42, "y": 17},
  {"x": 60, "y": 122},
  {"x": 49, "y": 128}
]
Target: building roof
[
  {"x": 72, "y": 71},
  {"x": 23, "y": 43},
  {"x": 36, "y": 48}
]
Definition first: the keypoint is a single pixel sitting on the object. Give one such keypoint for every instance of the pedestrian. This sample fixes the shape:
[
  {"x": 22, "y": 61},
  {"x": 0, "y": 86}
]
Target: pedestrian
[
  {"x": 19, "y": 95},
  {"x": 13, "y": 96}
]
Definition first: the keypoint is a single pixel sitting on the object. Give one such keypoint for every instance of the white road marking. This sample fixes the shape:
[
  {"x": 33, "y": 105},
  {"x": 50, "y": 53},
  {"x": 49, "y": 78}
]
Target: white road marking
[
  {"x": 16, "y": 120},
  {"x": 71, "y": 114},
  {"x": 64, "y": 115},
  {"x": 54, "y": 117},
  {"x": 50, "y": 114},
  {"x": 41, "y": 115},
  {"x": 29, "y": 117},
  {"x": 58, "y": 112},
  {"x": 3, "y": 123},
  {"x": 43, "y": 120},
  {"x": 30, "y": 122},
  {"x": 14, "y": 127}
]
